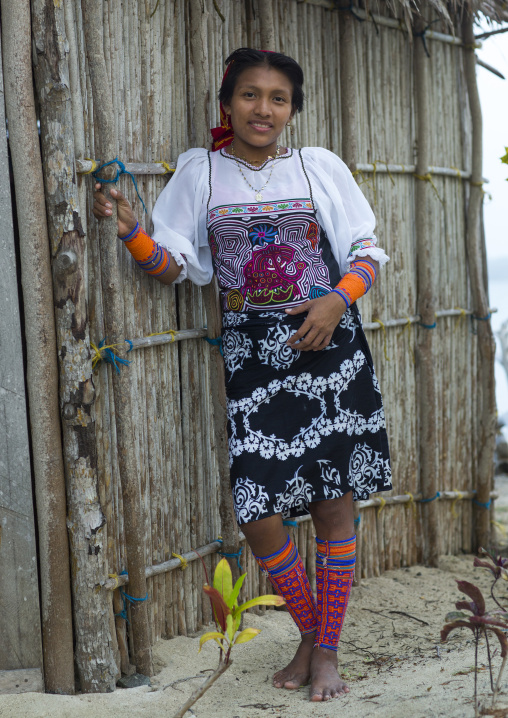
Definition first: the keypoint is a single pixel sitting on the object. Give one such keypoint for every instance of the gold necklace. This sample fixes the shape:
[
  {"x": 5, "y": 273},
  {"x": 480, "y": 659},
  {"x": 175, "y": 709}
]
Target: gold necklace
[
  {"x": 252, "y": 162},
  {"x": 258, "y": 195}
]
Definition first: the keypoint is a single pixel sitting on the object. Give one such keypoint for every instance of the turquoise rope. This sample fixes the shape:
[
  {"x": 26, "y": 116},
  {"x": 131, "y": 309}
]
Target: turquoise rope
[
  {"x": 232, "y": 555},
  {"x": 120, "y": 171},
  {"x": 426, "y": 501},
  {"x": 215, "y": 342}
]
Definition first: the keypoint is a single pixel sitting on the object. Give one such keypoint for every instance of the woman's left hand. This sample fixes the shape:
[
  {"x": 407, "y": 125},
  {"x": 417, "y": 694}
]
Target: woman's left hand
[{"x": 316, "y": 332}]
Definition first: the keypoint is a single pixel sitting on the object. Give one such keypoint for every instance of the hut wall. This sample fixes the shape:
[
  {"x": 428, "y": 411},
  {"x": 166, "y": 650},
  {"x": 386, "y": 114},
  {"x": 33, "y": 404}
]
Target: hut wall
[{"x": 150, "y": 66}]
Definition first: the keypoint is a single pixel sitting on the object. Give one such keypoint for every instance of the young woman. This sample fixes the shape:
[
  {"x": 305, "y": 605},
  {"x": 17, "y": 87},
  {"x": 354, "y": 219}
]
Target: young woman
[{"x": 290, "y": 237}]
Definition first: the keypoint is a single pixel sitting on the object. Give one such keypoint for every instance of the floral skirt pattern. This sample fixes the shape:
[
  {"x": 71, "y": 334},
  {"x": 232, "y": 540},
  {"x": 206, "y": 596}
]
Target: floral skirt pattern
[{"x": 302, "y": 426}]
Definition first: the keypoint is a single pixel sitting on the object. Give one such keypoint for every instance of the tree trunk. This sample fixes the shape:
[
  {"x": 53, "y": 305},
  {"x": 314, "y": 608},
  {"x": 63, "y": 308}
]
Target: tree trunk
[
  {"x": 86, "y": 523},
  {"x": 486, "y": 406}
]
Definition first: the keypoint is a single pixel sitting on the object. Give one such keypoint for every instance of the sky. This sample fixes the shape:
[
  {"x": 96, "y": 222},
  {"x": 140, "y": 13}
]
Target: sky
[{"x": 494, "y": 100}]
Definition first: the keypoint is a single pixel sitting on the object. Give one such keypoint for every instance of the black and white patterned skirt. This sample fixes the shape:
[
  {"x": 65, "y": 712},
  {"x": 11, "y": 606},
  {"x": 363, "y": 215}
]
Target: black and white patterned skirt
[{"x": 302, "y": 426}]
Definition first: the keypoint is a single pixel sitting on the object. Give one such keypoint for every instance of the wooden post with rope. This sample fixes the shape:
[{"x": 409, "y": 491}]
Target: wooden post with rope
[
  {"x": 106, "y": 147},
  {"x": 486, "y": 406},
  {"x": 86, "y": 523},
  {"x": 426, "y": 342}
]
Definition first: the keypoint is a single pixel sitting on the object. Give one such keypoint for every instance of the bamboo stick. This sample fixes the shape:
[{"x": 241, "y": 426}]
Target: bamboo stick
[
  {"x": 210, "y": 294},
  {"x": 86, "y": 524},
  {"x": 42, "y": 372},
  {"x": 426, "y": 350},
  {"x": 266, "y": 24},
  {"x": 486, "y": 345},
  {"x": 111, "y": 281}
]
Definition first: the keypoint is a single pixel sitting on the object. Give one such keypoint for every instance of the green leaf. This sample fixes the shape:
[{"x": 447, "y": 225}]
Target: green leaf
[
  {"x": 223, "y": 580},
  {"x": 211, "y": 635},
  {"x": 504, "y": 159},
  {"x": 247, "y": 635},
  {"x": 233, "y": 599},
  {"x": 230, "y": 628},
  {"x": 267, "y": 600}
]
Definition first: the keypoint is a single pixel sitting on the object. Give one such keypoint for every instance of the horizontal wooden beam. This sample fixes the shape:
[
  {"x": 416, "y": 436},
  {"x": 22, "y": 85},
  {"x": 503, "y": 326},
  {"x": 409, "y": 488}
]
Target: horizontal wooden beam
[{"x": 112, "y": 583}]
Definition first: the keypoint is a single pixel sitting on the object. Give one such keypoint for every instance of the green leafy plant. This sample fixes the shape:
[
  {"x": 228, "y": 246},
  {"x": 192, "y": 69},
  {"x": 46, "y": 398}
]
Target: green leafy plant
[
  {"x": 480, "y": 622},
  {"x": 227, "y": 614}
]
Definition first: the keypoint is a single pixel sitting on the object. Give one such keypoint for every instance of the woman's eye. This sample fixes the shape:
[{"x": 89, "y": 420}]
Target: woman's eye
[
  {"x": 280, "y": 99},
  {"x": 248, "y": 94}
]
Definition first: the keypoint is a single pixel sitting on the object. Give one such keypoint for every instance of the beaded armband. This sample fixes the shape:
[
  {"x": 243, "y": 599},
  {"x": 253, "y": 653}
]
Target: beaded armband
[
  {"x": 357, "y": 281},
  {"x": 149, "y": 255}
]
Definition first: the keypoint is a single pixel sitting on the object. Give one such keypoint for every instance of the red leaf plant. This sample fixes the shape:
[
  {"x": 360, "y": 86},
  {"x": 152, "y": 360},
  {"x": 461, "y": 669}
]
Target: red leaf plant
[{"x": 480, "y": 622}]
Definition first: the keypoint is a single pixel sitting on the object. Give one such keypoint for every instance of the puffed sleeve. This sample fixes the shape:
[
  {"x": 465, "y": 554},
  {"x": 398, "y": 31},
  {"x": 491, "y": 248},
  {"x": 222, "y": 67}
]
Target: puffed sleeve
[
  {"x": 341, "y": 208},
  {"x": 179, "y": 217}
]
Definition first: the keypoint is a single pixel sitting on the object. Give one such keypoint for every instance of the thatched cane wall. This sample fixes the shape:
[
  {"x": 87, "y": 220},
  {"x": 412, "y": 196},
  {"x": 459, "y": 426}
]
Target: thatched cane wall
[{"x": 151, "y": 65}]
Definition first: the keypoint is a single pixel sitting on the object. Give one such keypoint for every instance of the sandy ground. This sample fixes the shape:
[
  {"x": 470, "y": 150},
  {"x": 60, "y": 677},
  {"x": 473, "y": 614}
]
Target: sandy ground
[{"x": 390, "y": 654}]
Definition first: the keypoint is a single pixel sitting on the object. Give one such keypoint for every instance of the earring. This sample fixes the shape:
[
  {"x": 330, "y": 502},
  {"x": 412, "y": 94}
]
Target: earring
[{"x": 291, "y": 128}]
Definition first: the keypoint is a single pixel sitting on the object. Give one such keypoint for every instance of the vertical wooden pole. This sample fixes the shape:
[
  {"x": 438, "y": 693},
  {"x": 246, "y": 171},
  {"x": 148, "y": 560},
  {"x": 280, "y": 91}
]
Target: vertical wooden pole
[
  {"x": 20, "y": 625},
  {"x": 106, "y": 148},
  {"x": 485, "y": 439},
  {"x": 348, "y": 83},
  {"x": 42, "y": 372},
  {"x": 86, "y": 522},
  {"x": 427, "y": 399},
  {"x": 266, "y": 23},
  {"x": 201, "y": 61}
]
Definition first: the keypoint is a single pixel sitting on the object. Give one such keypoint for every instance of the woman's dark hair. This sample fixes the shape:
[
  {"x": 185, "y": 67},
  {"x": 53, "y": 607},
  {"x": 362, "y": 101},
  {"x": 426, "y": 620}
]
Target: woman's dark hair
[{"x": 246, "y": 57}]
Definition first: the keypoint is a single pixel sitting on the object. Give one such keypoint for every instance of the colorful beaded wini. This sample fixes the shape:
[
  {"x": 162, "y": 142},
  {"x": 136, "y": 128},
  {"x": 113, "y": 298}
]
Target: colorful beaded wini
[
  {"x": 149, "y": 255},
  {"x": 287, "y": 574},
  {"x": 357, "y": 281},
  {"x": 335, "y": 568}
]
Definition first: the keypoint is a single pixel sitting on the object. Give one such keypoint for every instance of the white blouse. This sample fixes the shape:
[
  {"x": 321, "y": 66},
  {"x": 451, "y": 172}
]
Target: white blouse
[{"x": 180, "y": 213}]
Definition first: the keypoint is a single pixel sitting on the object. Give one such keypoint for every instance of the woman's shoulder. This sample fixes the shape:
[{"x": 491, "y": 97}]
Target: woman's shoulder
[
  {"x": 195, "y": 156},
  {"x": 323, "y": 156}
]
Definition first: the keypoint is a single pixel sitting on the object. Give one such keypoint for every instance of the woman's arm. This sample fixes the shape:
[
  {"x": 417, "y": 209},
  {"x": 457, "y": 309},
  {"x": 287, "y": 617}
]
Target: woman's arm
[
  {"x": 150, "y": 256},
  {"x": 326, "y": 312}
]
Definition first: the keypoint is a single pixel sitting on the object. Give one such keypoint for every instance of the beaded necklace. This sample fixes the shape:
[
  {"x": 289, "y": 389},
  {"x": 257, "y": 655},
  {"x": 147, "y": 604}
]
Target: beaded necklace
[{"x": 258, "y": 192}]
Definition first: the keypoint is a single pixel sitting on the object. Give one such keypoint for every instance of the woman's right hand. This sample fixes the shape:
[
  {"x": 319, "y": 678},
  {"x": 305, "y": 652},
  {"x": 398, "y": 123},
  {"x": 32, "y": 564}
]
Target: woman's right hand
[{"x": 103, "y": 208}]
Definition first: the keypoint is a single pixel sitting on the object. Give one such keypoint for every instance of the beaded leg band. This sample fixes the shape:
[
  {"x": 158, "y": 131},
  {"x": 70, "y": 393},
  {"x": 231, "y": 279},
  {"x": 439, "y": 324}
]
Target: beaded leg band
[
  {"x": 149, "y": 255},
  {"x": 335, "y": 568},
  {"x": 287, "y": 574}
]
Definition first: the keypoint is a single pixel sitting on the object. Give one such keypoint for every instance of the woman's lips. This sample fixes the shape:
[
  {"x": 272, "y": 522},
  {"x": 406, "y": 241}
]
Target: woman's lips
[{"x": 260, "y": 127}]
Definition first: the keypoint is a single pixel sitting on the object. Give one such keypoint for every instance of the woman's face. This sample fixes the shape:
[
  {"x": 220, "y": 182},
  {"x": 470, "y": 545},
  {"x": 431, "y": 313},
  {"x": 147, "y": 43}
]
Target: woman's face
[{"x": 260, "y": 107}]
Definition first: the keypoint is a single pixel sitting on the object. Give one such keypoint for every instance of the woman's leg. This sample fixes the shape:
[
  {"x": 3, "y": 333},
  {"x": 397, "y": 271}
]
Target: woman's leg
[
  {"x": 336, "y": 554},
  {"x": 279, "y": 558}
]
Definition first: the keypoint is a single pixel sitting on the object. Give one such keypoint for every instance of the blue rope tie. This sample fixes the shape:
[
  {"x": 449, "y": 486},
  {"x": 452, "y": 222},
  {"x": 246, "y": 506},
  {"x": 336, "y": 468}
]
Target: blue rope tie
[
  {"x": 287, "y": 522},
  {"x": 427, "y": 326},
  {"x": 120, "y": 171},
  {"x": 483, "y": 506},
  {"x": 131, "y": 599},
  {"x": 357, "y": 521},
  {"x": 215, "y": 342},
  {"x": 232, "y": 555},
  {"x": 109, "y": 356},
  {"x": 482, "y": 319},
  {"x": 131, "y": 345},
  {"x": 426, "y": 501}
]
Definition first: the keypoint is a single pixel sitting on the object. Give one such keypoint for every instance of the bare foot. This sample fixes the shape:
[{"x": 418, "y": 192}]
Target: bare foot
[
  {"x": 325, "y": 681},
  {"x": 297, "y": 673}
]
